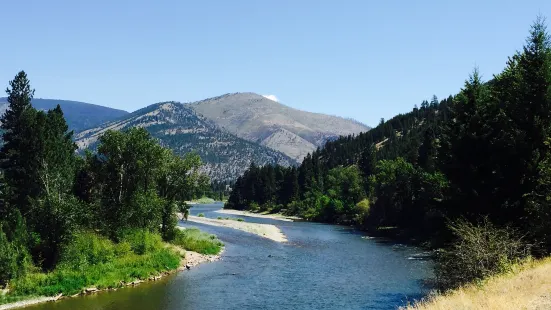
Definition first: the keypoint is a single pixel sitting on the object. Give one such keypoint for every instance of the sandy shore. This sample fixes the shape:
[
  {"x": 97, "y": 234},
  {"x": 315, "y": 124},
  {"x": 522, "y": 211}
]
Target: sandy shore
[
  {"x": 264, "y": 230},
  {"x": 276, "y": 216}
]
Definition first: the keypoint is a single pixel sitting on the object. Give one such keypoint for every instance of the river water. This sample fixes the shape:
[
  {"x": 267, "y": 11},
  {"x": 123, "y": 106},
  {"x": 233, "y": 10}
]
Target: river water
[{"x": 321, "y": 267}]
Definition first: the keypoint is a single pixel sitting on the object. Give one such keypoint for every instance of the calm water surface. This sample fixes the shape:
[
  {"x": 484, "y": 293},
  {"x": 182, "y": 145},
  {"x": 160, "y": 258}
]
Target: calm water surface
[{"x": 321, "y": 267}]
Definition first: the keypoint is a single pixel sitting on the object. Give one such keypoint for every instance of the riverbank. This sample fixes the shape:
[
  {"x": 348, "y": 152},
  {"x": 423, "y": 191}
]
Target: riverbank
[
  {"x": 201, "y": 201},
  {"x": 268, "y": 231},
  {"x": 528, "y": 287},
  {"x": 135, "y": 260},
  {"x": 191, "y": 259},
  {"x": 265, "y": 215}
]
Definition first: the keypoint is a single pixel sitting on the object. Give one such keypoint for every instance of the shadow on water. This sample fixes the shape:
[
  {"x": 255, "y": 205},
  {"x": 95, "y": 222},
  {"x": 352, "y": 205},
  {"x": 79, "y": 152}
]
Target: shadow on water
[{"x": 321, "y": 267}]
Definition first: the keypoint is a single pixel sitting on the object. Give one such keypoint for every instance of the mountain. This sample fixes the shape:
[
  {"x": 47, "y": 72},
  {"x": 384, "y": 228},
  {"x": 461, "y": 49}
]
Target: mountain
[
  {"x": 79, "y": 115},
  {"x": 181, "y": 129},
  {"x": 258, "y": 119}
]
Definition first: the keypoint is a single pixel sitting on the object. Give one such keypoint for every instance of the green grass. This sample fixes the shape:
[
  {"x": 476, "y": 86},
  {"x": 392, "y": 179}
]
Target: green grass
[
  {"x": 95, "y": 261},
  {"x": 7, "y": 299},
  {"x": 204, "y": 200},
  {"x": 201, "y": 215},
  {"x": 193, "y": 239}
]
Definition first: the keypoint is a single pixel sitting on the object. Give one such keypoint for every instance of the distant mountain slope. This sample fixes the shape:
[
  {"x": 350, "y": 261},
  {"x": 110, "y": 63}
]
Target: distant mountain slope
[
  {"x": 79, "y": 115},
  {"x": 270, "y": 123},
  {"x": 180, "y": 128}
]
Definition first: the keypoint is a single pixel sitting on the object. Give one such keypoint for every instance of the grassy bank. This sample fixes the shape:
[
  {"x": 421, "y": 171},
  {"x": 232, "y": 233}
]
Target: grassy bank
[
  {"x": 526, "y": 286},
  {"x": 193, "y": 239},
  {"x": 202, "y": 200},
  {"x": 93, "y": 261}
]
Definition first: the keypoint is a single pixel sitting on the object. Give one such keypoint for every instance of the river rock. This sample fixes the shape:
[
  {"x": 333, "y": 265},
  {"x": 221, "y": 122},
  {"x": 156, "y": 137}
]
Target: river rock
[
  {"x": 135, "y": 282},
  {"x": 90, "y": 290}
]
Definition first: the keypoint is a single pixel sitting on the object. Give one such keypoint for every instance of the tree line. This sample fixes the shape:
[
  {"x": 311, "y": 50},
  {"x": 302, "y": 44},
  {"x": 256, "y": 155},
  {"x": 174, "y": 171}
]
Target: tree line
[
  {"x": 49, "y": 193},
  {"x": 480, "y": 158}
]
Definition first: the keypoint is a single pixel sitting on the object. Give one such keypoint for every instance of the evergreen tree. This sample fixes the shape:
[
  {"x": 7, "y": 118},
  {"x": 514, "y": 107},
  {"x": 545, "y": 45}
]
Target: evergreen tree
[
  {"x": 14, "y": 122},
  {"x": 427, "y": 151}
]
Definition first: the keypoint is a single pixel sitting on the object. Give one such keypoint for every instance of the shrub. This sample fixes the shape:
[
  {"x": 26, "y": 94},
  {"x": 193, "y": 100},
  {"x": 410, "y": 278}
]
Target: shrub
[
  {"x": 14, "y": 259},
  {"x": 93, "y": 260},
  {"x": 201, "y": 215},
  {"x": 87, "y": 248},
  {"x": 219, "y": 218},
  {"x": 254, "y": 207},
  {"x": 105, "y": 275},
  {"x": 361, "y": 212},
  {"x": 478, "y": 252},
  {"x": 240, "y": 220},
  {"x": 142, "y": 241},
  {"x": 193, "y": 239}
]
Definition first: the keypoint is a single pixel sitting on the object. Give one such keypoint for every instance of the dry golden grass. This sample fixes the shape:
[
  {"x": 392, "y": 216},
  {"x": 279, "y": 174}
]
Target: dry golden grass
[{"x": 527, "y": 287}]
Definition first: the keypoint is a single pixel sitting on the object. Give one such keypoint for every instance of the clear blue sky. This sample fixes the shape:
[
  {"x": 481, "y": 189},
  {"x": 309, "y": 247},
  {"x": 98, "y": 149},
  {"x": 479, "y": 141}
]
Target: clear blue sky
[{"x": 362, "y": 59}]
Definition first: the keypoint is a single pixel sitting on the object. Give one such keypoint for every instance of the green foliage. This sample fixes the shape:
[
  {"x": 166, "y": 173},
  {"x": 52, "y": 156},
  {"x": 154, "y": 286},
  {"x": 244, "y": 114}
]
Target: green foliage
[
  {"x": 86, "y": 221},
  {"x": 104, "y": 265},
  {"x": 361, "y": 212},
  {"x": 58, "y": 221},
  {"x": 193, "y": 239},
  {"x": 15, "y": 260},
  {"x": 482, "y": 152},
  {"x": 15, "y": 147},
  {"x": 142, "y": 241},
  {"x": 477, "y": 252},
  {"x": 88, "y": 249},
  {"x": 135, "y": 183},
  {"x": 201, "y": 215}
]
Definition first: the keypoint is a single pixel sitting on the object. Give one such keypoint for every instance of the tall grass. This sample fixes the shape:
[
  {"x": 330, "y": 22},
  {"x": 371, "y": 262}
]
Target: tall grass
[
  {"x": 92, "y": 260},
  {"x": 193, "y": 239},
  {"x": 526, "y": 286}
]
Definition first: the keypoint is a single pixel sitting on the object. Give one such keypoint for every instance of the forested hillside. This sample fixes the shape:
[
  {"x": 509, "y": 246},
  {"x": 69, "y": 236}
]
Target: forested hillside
[{"x": 473, "y": 169}]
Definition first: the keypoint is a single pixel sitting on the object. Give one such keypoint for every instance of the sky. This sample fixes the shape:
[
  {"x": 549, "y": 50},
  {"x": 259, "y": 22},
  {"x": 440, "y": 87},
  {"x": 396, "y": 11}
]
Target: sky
[{"x": 361, "y": 59}]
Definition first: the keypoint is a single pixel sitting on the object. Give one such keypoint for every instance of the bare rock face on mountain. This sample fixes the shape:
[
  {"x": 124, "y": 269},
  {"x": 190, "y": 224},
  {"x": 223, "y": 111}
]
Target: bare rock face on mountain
[
  {"x": 179, "y": 128},
  {"x": 258, "y": 119}
]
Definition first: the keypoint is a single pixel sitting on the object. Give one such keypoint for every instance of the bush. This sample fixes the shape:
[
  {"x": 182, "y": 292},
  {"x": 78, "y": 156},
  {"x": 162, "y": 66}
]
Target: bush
[
  {"x": 142, "y": 241},
  {"x": 86, "y": 249},
  {"x": 240, "y": 220},
  {"x": 193, "y": 239},
  {"x": 205, "y": 200},
  {"x": 254, "y": 207},
  {"x": 478, "y": 252},
  {"x": 201, "y": 215},
  {"x": 14, "y": 259},
  {"x": 93, "y": 260},
  {"x": 105, "y": 275},
  {"x": 219, "y": 218},
  {"x": 361, "y": 212}
]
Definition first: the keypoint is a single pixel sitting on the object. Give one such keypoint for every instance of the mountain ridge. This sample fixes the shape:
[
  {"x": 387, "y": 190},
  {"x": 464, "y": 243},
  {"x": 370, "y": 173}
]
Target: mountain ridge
[
  {"x": 79, "y": 115},
  {"x": 256, "y": 118},
  {"x": 180, "y": 128}
]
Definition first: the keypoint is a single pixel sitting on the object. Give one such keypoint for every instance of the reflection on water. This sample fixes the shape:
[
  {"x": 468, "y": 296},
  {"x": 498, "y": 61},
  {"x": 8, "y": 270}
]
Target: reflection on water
[{"x": 321, "y": 267}]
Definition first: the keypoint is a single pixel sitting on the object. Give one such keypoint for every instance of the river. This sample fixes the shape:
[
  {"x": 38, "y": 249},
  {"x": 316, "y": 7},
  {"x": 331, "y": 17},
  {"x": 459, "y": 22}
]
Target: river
[{"x": 321, "y": 267}]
